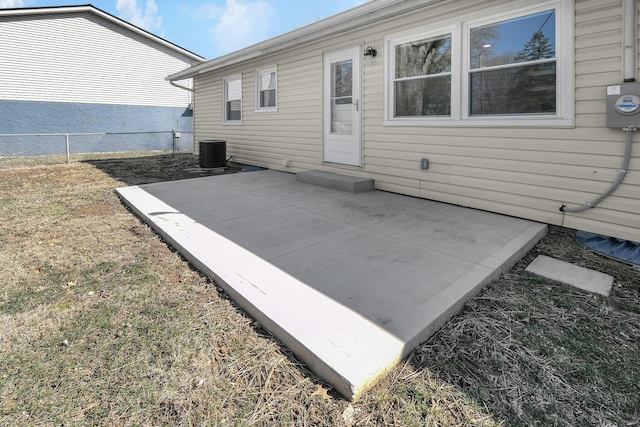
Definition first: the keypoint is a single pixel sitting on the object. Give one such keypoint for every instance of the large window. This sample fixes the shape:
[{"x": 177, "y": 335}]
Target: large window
[
  {"x": 266, "y": 89},
  {"x": 507, "y": 69},
  {"x": 512, "y": 66},
  {"x": 422, "y": 81},
  {"x": 233, "y": 99}
]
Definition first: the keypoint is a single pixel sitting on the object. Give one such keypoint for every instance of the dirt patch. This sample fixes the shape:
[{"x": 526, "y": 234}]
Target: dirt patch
[{"x": 143, "y": 170}]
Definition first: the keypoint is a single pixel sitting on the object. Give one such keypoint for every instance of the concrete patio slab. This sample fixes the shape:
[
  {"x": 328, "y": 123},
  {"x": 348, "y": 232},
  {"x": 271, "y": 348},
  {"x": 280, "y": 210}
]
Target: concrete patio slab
[{"x": 351, "y": 282}]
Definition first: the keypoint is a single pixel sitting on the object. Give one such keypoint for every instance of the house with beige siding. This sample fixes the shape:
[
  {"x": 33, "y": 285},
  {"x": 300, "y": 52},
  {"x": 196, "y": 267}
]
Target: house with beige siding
[{"x": 500, "y": 105}]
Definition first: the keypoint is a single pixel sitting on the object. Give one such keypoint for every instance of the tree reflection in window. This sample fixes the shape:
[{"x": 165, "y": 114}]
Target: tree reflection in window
[
  {"x": 423, "y": 77},
  {"x": 342, "y": 97},
  {"x": 513, "y": 66}
]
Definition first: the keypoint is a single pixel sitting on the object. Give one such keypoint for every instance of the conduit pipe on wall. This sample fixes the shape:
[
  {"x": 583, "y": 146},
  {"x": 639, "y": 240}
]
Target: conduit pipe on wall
[
  {"x": 630, "y": 40},
  {"x": 622, "y": 172},
  {"x": 629, "y": 74}
]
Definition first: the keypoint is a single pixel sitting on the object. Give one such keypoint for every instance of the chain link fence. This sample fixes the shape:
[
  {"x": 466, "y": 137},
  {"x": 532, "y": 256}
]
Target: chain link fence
[{"x": 68, "y": 147}]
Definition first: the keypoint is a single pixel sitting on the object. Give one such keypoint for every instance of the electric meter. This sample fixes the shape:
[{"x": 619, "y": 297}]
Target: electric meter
[
  {"x": 623, "y": 105},
  {"x": 627, "y": 104}
]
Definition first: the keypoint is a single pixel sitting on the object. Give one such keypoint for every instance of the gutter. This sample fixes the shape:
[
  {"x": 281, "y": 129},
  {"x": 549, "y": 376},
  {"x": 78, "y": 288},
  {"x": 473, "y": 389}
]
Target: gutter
[{"x": 368, "y": 13}]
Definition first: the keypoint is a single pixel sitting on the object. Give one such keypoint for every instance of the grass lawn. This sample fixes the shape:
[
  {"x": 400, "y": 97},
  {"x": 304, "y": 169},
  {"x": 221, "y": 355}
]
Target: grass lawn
[{"x": 101, "y": 323}]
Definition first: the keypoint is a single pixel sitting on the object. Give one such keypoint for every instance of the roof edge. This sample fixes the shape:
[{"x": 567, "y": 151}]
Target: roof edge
[
  {"x": 368, "y": 13},
  {"x": 106, "y": 15}
]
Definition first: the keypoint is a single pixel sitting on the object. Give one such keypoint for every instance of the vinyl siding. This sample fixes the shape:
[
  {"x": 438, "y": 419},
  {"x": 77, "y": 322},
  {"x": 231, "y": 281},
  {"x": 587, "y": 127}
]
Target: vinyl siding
[
  {"x": 529, "y": 172},
  {"x": 267, "y": 138},
  {"x": 80, "y": 57}
]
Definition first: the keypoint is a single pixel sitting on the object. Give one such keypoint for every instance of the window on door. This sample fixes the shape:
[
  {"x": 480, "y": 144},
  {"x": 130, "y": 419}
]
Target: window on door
[{"x": 342, "y": 97}]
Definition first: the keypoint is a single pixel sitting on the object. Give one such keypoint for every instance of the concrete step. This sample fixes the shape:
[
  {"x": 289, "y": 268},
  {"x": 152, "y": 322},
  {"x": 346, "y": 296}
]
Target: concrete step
[{"x": 337, "y": 181}]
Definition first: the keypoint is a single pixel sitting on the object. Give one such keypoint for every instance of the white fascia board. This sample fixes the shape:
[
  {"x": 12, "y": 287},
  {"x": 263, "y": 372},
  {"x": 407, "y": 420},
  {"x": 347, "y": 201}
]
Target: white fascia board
[
  {"x": 365, "y": 14},
  {"x": 104, "y": 15}
]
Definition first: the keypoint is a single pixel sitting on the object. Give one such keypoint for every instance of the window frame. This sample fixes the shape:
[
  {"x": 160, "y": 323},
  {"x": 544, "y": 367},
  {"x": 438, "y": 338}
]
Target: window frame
[
  {"x": 258, "y": 73},
  {"x": 460, "y": 69},
  {"x": 225, "y": 100},
  {"x": 443, "y": 33}
]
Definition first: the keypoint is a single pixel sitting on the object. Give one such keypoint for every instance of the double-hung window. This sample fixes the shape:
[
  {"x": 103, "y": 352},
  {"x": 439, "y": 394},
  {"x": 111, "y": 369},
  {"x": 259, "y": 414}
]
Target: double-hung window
[
  {"x": 506, "y": 68},
  {"x": 266, "y": 89},
  {"x": 512, "y": 66},
  {"x": 232, "y": 99},
  {"x": 422, "y": 77}
]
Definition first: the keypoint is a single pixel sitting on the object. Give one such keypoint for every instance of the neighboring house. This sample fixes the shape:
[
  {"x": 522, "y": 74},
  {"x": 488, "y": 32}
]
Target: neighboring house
[
  {"x": 506, "y": 101},
  {"x": 77, "y": 69}
]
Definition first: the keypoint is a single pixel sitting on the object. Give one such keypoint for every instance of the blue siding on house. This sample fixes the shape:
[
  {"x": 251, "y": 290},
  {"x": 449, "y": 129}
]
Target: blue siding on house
[
  {"x": 20, "y": 117},
  {"x": 121, "y": 128}
]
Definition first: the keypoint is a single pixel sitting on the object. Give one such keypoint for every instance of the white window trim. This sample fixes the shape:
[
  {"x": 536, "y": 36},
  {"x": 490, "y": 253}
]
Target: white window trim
[
  {"x": 459, "y": 30},
  {"x": 258, "y": 108},
  {"x": 224, "y": 101},
  {"x": 409, "y": 36}
]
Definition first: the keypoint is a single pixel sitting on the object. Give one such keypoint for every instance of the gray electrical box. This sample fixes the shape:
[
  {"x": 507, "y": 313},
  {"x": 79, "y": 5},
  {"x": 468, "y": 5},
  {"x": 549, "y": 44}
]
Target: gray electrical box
[{"x": 623, "y": 105}]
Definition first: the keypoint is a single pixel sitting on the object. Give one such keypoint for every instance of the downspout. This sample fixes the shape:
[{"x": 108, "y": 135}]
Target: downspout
[
  {"x": 630, "y": 41},
  {"x": 192, "y": 90},
  {"x": 180, "y": 86},
  {"x": 190, "y": 107}
]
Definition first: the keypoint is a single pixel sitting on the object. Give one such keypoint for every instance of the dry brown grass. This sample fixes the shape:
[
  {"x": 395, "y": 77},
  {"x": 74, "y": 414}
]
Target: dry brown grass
[
  {"x": 541, "y": 353},
  {"x": 104, "y": 324}
]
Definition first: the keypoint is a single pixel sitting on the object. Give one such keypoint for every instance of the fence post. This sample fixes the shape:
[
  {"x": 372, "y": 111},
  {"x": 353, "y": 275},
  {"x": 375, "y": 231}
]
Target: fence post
[
  {"x": 68, "y": 154},
  {"x": 173, "y": 142}
]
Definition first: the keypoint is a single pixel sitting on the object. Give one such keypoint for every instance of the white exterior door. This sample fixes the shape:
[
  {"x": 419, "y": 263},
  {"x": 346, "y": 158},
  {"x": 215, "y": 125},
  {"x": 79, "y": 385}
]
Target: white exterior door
[{"x": 342, "y": 107}]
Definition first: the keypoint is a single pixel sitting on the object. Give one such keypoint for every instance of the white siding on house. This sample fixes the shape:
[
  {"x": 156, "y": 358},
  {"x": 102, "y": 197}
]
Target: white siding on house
[
  {"x": 81, "y": 57},
  {"x": 527, "y": 172}
]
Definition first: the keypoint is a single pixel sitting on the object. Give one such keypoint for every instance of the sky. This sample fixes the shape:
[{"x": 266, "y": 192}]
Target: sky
[{"x": 210, "y": 28}]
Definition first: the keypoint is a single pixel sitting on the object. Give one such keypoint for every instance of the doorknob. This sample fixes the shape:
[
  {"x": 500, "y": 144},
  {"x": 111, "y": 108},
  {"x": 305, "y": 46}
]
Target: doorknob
[{"x": 356, "y": 104}]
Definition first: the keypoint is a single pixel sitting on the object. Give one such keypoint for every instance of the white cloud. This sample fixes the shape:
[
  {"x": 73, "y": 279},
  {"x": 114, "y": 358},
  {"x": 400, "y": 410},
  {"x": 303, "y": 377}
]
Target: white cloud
[
  {"x": 242, "y": 23},
  {"x": 131, "y": 12},
  {"x": 201, "y": 12},
  {"x": 207, "y": 11},
  {"x": 11, "y": 4}
]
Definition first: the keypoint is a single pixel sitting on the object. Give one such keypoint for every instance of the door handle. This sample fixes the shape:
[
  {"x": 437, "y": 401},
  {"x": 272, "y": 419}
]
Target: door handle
[{"x": 356, "y": 104}]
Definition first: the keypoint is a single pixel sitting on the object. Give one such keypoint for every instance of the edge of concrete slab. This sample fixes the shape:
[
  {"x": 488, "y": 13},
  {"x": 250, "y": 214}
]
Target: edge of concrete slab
[
  {"x": 439, "y": 309},
  {"x": 314, "y": 331}
]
